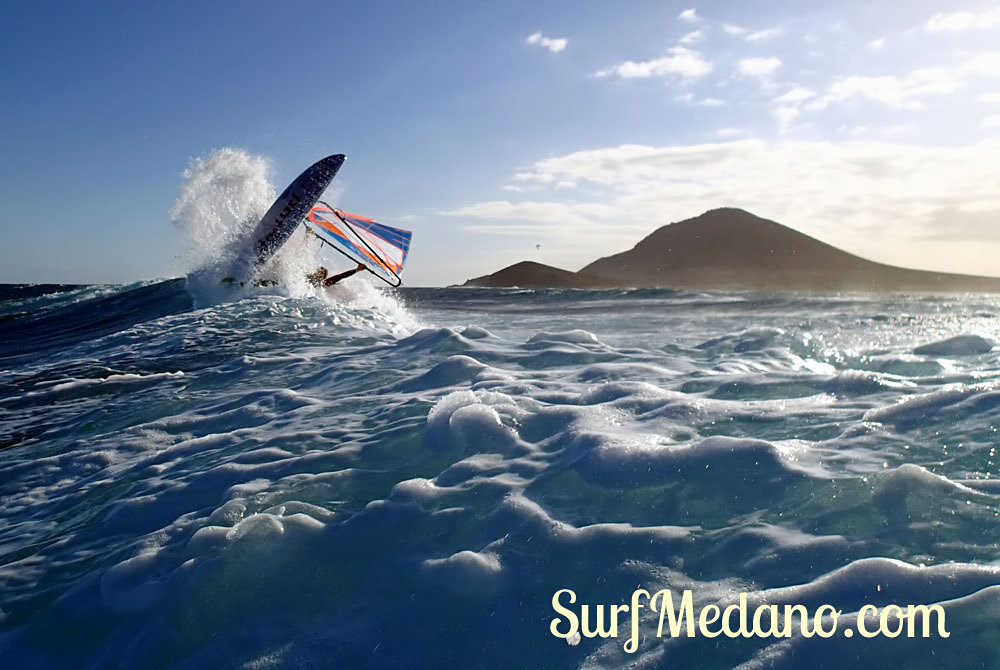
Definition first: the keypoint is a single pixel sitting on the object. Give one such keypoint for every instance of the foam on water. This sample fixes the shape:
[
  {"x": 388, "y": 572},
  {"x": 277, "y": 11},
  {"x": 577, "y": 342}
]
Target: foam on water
[
  {"x": 223, "y": 197},
  {"x": 362, "y": 478}
]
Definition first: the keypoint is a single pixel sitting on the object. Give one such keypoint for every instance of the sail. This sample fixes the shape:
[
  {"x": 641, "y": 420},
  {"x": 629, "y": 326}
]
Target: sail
[{"x": 380, "y": 248}]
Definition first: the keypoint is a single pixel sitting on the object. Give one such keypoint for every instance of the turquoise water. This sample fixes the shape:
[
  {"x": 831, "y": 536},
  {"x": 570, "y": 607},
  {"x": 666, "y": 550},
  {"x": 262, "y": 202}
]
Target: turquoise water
[{"x": 373, "y": 479}]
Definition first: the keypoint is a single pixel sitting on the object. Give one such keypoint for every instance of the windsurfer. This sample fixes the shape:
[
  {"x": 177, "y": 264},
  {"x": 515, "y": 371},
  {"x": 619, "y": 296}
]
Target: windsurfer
[{"x": 319, "y": 276}]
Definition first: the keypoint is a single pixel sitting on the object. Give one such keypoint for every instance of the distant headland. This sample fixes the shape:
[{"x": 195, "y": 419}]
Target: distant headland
[{"x": 730, "y": 249}]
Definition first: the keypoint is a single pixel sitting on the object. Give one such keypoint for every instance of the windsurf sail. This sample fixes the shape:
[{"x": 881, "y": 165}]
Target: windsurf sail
[{"x": 380, "y": 248}]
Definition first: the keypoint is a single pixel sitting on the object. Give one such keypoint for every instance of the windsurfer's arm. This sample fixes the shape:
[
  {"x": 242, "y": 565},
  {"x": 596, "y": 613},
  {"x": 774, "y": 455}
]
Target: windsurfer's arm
[{"x": 330, "y": 281}]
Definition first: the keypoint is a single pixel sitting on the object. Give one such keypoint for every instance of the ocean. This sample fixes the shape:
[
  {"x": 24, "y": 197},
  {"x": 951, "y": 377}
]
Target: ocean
[
  {"x": 443, "y": 478},
  {"x": 203, "y": 475}
]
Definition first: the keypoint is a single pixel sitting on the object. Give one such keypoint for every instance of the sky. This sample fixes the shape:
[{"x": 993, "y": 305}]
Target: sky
[{"x": 553, "y": 131}]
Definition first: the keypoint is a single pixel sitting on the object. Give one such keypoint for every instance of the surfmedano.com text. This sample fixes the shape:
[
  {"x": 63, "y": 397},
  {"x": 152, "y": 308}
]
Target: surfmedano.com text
[{"x": 737, "y": 619}]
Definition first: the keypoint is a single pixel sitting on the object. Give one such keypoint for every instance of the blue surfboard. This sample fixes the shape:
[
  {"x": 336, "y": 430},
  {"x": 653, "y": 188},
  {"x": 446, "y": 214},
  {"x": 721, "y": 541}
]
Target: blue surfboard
[{"x": 287, "y": 212}]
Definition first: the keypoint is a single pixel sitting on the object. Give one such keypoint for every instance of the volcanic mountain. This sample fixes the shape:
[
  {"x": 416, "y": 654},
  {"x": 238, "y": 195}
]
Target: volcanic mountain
[
  {"x": 734, "y": 249},
  {"x": 528, "y": 274}
]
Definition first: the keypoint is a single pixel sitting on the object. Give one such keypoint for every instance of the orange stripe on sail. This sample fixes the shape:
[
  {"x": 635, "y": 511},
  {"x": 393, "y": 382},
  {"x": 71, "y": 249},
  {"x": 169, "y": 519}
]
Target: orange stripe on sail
[{"x": 332, "y": 228}]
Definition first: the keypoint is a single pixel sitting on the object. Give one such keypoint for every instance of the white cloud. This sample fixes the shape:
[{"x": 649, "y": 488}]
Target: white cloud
[
  {"x": 887, "y": 90},
  {"x": 786, "y": 114},
  {"x": 681, "y": 61},
  {"x": 764, "y": 35},
  {"x": 795, "y": 96},
  {"x": 992, "y": 121},
  {"x": 875, "y": 45},
  {"x": 983, "y": 65},
  {"x": 689, "y": 15},
  {"x": 900, "y": 92},
  {"x": 733, "y": 29},
  {"x": 691, "y": 37},
  {"x": 959, "y": 21},
  {"x": 758, "y": 67},
  {"x": 890, "y": 195},
  {"x": 789, "y": 106},
  {"x": 553, "y": 45},
  {"x": 689, "y": 99},
  {"x": 910, "y": 91}
]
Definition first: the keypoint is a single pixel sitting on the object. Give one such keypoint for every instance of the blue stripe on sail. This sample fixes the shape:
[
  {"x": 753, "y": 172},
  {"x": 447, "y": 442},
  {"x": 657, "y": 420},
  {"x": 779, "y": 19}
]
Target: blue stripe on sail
[
  {"x": 362, "y": 227},
  {"x": 395, "y": 236},
  {"x": 356, "y": 252}
]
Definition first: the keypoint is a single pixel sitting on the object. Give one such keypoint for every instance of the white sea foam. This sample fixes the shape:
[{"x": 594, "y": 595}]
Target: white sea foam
[
  {"x": 222, "y": 199},
  {"x": 356, "y": 478}
]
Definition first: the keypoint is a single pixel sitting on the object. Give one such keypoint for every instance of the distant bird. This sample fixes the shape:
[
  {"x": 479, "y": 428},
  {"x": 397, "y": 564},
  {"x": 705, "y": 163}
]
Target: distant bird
[{"x": 538, "y": 246}]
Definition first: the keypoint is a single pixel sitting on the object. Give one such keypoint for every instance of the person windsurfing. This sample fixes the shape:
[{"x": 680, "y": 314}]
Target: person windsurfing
[{"x": 319, "y": 276}]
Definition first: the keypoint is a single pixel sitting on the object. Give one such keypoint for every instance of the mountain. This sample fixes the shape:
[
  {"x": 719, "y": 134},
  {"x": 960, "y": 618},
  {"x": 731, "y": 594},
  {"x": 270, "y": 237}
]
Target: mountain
[
  {"x": 528, "y": 274},
  {"x": 730, "y": 248}
]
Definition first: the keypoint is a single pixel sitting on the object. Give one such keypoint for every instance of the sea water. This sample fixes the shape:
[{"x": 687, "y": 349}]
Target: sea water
[{"x": 366, "y": 478}]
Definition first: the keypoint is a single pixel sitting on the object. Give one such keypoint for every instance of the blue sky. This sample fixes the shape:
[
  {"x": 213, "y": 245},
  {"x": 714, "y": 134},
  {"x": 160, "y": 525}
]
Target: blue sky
[{"x": 550, "y": 131}]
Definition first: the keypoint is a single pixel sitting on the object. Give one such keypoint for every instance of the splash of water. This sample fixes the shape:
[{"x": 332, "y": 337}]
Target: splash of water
[
  {"x": 223, "y": 197},
  {"x": 381, "y": 310}
]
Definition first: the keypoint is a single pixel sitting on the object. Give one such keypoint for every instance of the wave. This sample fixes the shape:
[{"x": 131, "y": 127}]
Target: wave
[
  {"x": 405, "y": 478},
  {"x": 60, "y": 319}
]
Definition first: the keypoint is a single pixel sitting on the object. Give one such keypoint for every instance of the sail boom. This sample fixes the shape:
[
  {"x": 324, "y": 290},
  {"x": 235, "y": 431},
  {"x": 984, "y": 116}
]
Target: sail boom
[{"x": 380, "y": 248}]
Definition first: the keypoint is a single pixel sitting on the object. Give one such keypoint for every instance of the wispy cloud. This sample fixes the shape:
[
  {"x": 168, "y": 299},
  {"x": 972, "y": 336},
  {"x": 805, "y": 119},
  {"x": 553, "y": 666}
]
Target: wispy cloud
[
  {"x": 681, "y": 62},
  {"x": 788, "y": 106},
  {"x": 983, "y": 65},
  {"x": 689, "y": 15},
  {"x": 959, "y": 21},
  {"x": 992, "y": 121},
  {"x": 733, "y": 29},
  {"x": 758, "y": 67},
  {"x": 690, "y": 99},
  {"x": 692, "y": 37},
  {"x": 910, "y": 91},
  {"x": 764, "y": 35},
  {"x": 795, "y": 96},
  {"x": 876, "y": 45},
  {"x": 555, "y": 45},
  {"x": 786, "y": 114},
  {"x": 902, "y": 92}
]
